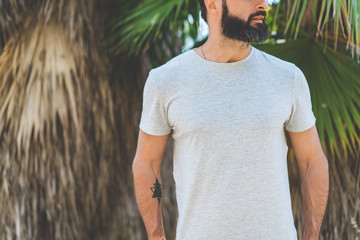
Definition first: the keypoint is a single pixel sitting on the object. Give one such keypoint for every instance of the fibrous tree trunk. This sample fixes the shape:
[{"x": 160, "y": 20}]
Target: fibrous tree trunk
[{"x": 59, "y": 163}]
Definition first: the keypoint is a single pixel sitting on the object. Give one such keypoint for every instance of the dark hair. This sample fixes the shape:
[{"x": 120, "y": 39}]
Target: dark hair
[
  {"x": 203, "y": 9},
  {"x": 203, "y": 12}
]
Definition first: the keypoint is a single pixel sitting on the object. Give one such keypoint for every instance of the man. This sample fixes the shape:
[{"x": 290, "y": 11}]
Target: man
[{"x": 227, "y": 106}]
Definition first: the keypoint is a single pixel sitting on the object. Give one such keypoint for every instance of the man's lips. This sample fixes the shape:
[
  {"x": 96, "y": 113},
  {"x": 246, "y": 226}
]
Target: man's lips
[{"x": 259, "y": 19}]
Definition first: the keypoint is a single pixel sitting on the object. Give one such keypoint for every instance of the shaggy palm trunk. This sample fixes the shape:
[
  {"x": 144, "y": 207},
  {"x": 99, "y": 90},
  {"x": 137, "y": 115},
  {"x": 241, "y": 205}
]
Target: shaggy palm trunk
[{"x": 59, "y": 169}]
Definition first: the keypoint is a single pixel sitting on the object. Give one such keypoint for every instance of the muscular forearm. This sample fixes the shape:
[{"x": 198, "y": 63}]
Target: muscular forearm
[
  {"x": 314, "y": 188},
  {"x": 148, "y": 197}
]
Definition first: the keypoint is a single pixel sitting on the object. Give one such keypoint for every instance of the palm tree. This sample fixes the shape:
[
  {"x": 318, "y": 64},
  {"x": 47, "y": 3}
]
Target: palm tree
[
  {"x": 60, "y": 169},
  {"x": 330, "y": 33}
]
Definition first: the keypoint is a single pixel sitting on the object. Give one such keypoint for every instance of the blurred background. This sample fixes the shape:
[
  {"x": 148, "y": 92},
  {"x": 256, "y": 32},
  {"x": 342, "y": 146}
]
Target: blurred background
[{"x": 71, "y": 79}]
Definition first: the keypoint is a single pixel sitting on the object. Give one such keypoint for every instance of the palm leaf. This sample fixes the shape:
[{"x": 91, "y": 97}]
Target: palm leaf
[
  {"x": 151, "y": 21},
  {"x": 329, "y": 18}
]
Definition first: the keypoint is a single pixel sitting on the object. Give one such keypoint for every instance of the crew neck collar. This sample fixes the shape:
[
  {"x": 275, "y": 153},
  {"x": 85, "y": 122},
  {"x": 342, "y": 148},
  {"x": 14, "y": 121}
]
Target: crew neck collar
[{"x": 223, "y": 64}]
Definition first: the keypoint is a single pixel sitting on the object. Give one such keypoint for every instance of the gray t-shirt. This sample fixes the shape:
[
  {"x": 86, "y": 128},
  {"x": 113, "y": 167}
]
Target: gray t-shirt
[{"x": 230, "y": 153}]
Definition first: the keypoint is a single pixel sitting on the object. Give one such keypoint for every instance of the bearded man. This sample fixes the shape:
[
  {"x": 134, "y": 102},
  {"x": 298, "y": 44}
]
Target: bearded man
[{"x": 228, "y": 107}]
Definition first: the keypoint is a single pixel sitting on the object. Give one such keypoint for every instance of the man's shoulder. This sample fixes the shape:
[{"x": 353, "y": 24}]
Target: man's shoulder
[
  {"x": 175, "y": 66},
  {"x": 171, "y": 74},
  {"x": 274, "y": 62}
]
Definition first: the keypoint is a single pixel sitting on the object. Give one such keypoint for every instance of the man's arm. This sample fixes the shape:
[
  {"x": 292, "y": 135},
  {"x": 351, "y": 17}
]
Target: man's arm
[
  {"x": 146, "y": 170},
  {"x": 314, "y": 173}
]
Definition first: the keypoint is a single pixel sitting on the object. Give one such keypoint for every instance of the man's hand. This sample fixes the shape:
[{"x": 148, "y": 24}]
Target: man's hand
[{"x": 314, "y": 173}]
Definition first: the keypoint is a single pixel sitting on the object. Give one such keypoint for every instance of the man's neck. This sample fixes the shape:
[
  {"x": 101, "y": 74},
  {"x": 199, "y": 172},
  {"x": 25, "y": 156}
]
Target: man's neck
[{"x": 223, "y": 50}]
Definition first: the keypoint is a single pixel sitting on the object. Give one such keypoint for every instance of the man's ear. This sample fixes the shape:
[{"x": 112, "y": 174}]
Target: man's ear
[{"x": 213, "y": 6}]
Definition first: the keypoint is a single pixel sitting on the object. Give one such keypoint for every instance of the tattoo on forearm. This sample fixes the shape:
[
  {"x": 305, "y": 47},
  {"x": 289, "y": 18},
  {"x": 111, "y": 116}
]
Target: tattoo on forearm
[{"x": 156, "y": 190}]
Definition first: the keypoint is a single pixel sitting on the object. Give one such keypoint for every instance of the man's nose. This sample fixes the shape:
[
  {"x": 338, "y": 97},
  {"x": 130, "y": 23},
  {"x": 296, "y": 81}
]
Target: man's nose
[{"x": 262, "y": 6}]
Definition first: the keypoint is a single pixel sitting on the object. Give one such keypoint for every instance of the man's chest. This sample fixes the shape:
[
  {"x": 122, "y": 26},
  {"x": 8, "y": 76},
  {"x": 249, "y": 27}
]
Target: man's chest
[{"x": 228, "y": 107}]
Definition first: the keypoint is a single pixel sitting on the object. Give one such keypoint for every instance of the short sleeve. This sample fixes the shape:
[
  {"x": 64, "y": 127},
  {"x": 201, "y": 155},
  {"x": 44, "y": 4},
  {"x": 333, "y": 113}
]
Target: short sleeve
[
  {"x": 153, "y": 116},
  {"x": 302, "y": 116}
]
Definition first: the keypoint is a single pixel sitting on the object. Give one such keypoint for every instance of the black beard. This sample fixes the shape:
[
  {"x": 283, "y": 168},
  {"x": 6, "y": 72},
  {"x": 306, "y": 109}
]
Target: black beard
[{"x": 237, "y": 29}]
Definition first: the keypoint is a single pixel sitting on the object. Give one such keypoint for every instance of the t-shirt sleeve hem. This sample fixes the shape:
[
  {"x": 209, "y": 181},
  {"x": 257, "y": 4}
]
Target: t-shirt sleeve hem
[
  {"x": 152, "y": 131},
  {"x": 303, "y": 127}
]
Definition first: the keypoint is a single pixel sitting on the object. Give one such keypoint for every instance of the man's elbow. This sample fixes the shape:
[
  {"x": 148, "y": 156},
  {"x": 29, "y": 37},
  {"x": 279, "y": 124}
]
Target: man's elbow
[
  {"x": 140, "y": 165},
  {"x": 136, "y": 166},
  {"x": 320, "y": 162},
  {"x": 318, "y": 169},
  {"x": 315, "y": 165},
  {"x": 134, "y": 163}
]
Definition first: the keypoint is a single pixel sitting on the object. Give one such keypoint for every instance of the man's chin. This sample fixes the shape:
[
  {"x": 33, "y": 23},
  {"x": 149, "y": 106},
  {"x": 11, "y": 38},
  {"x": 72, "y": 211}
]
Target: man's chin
[{"x": 252, "y": 33}]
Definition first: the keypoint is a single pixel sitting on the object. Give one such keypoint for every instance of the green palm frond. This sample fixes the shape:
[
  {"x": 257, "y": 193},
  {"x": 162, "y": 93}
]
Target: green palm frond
[
  {"x": 335, "y": 91},
  {"x": 151, "y": 21},
  {"x": 328, "y": 17}
]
